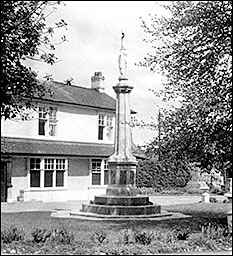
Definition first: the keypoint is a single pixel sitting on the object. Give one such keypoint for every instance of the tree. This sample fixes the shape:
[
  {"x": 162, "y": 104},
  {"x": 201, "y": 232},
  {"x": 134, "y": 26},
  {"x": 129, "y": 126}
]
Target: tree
[
  {"x": 192, "y": 48},
  {"x": 24, "y": 35}
]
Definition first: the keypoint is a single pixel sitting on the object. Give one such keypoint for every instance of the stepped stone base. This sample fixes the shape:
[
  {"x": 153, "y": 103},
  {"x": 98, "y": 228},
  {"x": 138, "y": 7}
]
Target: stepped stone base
[
  {"x": 118, "y": 208},
  {"x": 121, "y": 210},
  {"x": 115, "y": 206},
  {"x": 119, "y": 204}
]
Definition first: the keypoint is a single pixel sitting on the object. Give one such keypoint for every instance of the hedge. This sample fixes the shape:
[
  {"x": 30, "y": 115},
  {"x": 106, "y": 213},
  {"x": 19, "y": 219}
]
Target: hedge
[{"x": 162, "y": 174}]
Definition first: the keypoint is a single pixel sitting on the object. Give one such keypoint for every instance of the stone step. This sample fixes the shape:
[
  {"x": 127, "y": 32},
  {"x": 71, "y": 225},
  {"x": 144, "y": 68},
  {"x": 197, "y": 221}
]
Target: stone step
[
  {"x": 121, "y": 210},
  {"x": 122, "y": 200},
  {"x": 163, "y": 215},
  {"x": 94, "y": 216}
]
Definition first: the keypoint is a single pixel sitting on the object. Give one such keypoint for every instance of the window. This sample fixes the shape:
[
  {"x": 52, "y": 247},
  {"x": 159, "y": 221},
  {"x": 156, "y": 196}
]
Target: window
[
  {"x": 47, "y": 121},
  {"x": 47, "y": 172},
  {"x": 42, "y": 120},
  {"x": 105, "y": 127},
  {"x": 52, "y": 121},
  {"x": 99, "y": 172},
  {"x": 106, "y": 178},
  {"x": 96, "y": 172},
  {"x": 60, "y": 170},
  {"x": 109, "y": 127},
  {"x": 101, "y": 127},
  {"x": 35, "y": 172}
]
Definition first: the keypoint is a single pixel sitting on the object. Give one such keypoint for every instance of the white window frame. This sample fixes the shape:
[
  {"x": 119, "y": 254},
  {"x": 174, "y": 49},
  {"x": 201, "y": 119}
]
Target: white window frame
[
  {"x": 53, "y": 121},
  {"x": 106, "y": 121},
  {"x": 42, "y": 174},
  {"x": 102, "y": 171},
  {"x": 49, "y": 115}
]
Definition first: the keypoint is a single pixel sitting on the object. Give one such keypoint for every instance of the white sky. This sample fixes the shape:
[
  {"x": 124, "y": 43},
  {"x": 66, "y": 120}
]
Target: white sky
[{"x": 94, "y": 32}]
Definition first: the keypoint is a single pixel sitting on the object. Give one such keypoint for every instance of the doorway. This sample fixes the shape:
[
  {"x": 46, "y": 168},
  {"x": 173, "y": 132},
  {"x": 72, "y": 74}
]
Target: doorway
[{"x": 3, "y": 181}]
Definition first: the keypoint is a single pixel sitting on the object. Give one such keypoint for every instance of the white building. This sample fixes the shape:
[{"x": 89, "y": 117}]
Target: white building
[{"x": 60, "y": 152}]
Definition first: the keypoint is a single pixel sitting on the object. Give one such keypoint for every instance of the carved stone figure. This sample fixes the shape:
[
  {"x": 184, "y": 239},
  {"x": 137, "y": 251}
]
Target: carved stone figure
[{"x": 122, "y": 61}]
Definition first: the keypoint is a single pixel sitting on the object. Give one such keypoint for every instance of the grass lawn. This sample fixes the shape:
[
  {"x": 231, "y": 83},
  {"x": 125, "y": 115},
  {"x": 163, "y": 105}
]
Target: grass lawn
[
  {"x": 119, "y": 236},
  {"x": 210, "y": 210}
]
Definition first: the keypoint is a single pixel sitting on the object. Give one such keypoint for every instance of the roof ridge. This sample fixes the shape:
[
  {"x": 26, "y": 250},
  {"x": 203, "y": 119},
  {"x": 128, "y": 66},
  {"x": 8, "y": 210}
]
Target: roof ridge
[{"x": 73, "y": 85}]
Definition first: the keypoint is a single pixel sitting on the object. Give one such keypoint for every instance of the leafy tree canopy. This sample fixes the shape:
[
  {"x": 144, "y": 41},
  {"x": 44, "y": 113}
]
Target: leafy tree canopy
[
  {"x": 191, "y": 47},
  {"x": 24, "y": 35}
]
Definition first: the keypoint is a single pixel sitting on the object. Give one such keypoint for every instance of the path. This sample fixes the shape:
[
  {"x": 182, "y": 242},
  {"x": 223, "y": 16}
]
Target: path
[{"x": 50, "y": 206}]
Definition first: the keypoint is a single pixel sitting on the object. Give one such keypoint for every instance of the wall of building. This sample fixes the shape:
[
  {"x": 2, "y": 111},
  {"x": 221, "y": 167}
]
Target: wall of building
[
  {"x": 74, "y": 124},
  {"x": 78, "y": 182},
  {"x": 19, "y": 176},
  {"x": 78, "y": 179}
]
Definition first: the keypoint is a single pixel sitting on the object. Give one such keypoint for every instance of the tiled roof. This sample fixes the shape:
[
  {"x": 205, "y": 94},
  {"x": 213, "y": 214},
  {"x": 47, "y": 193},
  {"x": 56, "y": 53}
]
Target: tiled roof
[
  {"x": 22, "y": 146},
  {"x": 78, "y": 95},
  {"x": 48, "y": 147}
]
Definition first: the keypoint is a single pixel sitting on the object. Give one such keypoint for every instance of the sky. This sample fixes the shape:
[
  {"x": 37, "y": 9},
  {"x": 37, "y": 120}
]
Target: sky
[{"x": 93, "y": 44}]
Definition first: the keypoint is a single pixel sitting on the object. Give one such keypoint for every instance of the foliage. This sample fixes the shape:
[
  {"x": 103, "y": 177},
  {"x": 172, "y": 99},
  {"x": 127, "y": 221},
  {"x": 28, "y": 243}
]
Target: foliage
[
  {"x": 13, "y": 233},
  {"x": 189, "y": 189},
  {"x": 40, "y": 235},
  {"x": 162, "y": 174},
  {"x": 99, "y": 236},
  {"x": 191, "y": 47},
  {"x": 127, "y": 235},
  {"x": 182, "y": 234},
  {"x": 61, "y": 236},
  {"x": 214, "y": 231},
  {"x": 153, "y": 238},
  {"x": 57, "y": 236},
  {"x": 143, "y": 237},
  {"x": 24, "y": 36},
  {"x": 218, "y": 191}
]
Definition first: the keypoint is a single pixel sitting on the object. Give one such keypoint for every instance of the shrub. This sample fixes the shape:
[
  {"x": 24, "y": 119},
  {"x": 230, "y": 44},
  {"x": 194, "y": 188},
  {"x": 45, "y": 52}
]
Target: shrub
[
  {"x": 200, "y": 241},
  {"x": 165, "y": 237},
  {"x": 182, "y": 234},
  {"x": 13, "y": 233},
  {"x": 61, "y": 236},
  {"x": 128, "y": 236},
  {"x": 217, "y": 191},
  {"x": 144, "y": 238},
  {"x": 214, "y": 231},
  {"x": 192, "y": 188},
  {"x": 57, "y": 236},
  {"x": 213, "y": 200},
  {"x": 99, "y": 236},
  {"x": 40, "y": 235},
  {"x": 162, "y": 175},
  {"x": 145, "y": 191}
]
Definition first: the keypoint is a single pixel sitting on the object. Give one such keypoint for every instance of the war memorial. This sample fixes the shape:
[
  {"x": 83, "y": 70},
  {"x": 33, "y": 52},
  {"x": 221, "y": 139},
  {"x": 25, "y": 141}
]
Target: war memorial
[{"x": 121, "y": 201}]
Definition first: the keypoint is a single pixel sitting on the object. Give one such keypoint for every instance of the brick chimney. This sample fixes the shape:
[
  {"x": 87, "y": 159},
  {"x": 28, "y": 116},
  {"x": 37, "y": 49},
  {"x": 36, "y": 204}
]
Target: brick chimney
[{"x": 97, "y": 81}]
